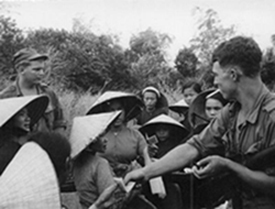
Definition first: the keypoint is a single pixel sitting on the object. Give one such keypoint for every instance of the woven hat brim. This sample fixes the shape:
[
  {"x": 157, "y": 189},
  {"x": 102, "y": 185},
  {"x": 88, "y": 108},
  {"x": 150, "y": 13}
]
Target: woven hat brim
[
  {"x": 86, "y": 129},
  {"x": 30, "y": 181},
  {"x": 150, "y": 127},
  {"x": 179, "y": 107},
  {"x": 132, "y": 103},
  {"x": 36, "y": 106}
]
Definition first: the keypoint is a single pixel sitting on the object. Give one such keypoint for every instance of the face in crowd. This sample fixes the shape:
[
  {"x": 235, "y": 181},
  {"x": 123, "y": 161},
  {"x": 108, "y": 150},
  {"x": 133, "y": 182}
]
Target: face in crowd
[
  {"x": 212, "y": 107},
  {"x": 162, "y": 132},
  {"x": 34, "y": 71},
  {"x": 22, "y": 120},
  {"x": 100, "y": 144},
  {"x": 189, "y": 94},
  {"x": 114, "y": 106},
  {"x": 150, "y": 100}
]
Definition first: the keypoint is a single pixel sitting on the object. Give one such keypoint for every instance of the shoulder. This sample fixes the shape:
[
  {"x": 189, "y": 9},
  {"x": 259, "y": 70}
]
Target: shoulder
[
  {"x": 9, "y": 91},
  {"x": 100, "y": 161},
  {"x": 269, "y": 105},
  {"x": 135, "y": 133},
  {"x": 45, "y": 88}
]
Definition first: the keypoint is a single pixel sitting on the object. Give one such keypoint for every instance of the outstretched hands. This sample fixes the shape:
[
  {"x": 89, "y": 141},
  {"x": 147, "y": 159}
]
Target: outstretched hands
[
  {"x": 135, "y": 175},
  {"x": 209, "y": 166}
]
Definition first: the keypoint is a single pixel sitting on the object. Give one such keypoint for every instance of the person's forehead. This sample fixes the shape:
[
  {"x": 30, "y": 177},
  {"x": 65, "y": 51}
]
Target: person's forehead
[
  {"x": 150, "y": 94},
  {"x": 162, "y": 126},
  {"x": 217, "y": 68},
  {"x": 212, "y": 102}
]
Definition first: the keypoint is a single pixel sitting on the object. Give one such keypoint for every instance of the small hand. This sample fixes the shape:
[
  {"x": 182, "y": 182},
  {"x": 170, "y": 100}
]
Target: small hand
[
  {"x": 152, "y": 150},
  {"x": 135, "y": 175},
  {"x": 209, "y": 166}
]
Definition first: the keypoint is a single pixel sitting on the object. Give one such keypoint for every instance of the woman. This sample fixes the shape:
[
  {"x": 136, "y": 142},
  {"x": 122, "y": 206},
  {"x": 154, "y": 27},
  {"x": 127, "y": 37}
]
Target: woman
[
  {"x": 190, "y": 90},
  {"x": 214, "y": 103},
  {"x": 204, "y": 108},
  {"x": 154, "y": 104},
  {"x": 17, "y": 117},
  {"x": 168, "y": 133},
  {"x": 125, "y": 145},
  {"x": 92, "y": 174}
]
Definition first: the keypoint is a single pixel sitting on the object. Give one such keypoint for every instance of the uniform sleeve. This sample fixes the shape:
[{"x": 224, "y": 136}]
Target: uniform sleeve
[
  {"x": 59, "y": 119},
  {"x": 209, "y": 141}
]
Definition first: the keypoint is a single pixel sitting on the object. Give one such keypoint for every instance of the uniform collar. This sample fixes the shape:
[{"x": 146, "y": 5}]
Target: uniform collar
[{"x": 253, "y": 115}]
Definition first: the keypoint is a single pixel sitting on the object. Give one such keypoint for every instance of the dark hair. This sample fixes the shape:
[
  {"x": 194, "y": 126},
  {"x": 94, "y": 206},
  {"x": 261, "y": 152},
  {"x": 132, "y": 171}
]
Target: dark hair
[
  {"x": 191, "y": 83},
  {"x": 57, "y": 147},
  {"x": 241, "y": 51}
]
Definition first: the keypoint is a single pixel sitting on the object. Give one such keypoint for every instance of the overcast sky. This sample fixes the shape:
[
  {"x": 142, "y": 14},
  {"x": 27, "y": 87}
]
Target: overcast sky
[{"x": 126, "y": 17}]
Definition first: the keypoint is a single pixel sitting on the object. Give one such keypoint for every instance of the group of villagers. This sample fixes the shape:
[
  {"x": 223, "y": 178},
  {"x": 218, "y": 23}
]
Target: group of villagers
[
  {"x": 120, "y": 132},
  {"x": 124, "y": 131}
]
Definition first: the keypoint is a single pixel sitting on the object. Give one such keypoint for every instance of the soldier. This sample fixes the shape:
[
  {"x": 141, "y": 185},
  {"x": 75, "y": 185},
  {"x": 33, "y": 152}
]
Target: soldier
[{"x": 31, "y": 69}]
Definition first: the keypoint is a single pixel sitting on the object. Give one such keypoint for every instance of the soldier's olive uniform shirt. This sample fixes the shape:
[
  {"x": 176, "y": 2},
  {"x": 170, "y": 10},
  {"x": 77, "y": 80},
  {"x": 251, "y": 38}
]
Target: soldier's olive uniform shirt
[
  {"x": 254, "y": 134},
  {"x": 53, "y": 117}
]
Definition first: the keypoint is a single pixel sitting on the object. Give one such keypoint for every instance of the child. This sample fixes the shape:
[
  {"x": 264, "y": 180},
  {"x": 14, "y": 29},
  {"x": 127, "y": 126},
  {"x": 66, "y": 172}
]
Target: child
[{"x": 92, "y": 174}]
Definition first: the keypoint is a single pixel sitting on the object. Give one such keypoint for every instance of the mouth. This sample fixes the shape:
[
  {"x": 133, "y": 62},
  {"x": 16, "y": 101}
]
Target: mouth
[{"x": 26, "y": 126}]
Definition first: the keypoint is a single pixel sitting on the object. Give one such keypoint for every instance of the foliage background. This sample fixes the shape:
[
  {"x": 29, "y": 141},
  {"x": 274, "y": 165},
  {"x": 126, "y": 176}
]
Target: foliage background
[{"x": 82, "y": 64}]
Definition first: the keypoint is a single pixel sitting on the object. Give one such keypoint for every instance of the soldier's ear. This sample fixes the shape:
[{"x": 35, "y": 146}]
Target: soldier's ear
[
  {"x": 21, "y": 67},
  {"x": 235, "y": 74}
]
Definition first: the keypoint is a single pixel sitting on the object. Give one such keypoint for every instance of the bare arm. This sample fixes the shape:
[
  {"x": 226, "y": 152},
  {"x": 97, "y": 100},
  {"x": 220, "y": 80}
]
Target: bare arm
[{"x": 175, "y": 159}]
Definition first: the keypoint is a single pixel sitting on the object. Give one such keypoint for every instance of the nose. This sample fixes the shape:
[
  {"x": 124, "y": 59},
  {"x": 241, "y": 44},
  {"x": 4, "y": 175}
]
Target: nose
[
  {"x": 216, "y": 82},
  {"x": 42, "y": 71},
  {"x": 213, "y": 112},
  {"x": 28, "y": 118}
]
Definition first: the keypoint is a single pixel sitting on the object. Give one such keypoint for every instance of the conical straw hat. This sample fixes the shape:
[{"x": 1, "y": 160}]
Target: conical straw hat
[
  {"x": 29, "y": 181},
  {"x": 178, "y": 129},
  {"x": 179, "y": 107},
  {"x": 86, "y": 129},
  {"x": 132, "y": 103},
  {"x": 11, "y": 106}
]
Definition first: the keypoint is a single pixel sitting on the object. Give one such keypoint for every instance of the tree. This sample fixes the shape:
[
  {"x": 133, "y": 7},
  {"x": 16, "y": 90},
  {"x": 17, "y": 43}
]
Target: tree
[
  {"x": 268, "y": 65},
  {"x": 210, "y": 34},
  {"x": 147, "y": 57},
  {"x": 186, "y": 62},
  {"x": 11, "y": 40}
]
